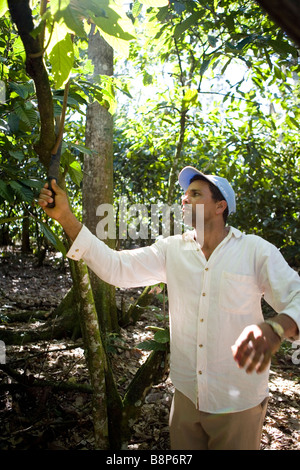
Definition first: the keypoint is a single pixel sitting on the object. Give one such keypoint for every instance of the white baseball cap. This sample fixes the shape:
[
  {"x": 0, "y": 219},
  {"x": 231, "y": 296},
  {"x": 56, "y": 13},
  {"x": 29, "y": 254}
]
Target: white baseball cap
[{"x": 222, "y": 184}]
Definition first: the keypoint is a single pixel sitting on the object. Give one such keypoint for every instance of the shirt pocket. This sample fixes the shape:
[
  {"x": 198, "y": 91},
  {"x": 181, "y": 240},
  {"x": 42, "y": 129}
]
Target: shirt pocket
[{"x": 239, "y": 293}]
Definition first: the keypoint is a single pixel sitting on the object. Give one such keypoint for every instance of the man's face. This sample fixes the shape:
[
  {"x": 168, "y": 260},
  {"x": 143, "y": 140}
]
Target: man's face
[{"x": 198, "y": 192}]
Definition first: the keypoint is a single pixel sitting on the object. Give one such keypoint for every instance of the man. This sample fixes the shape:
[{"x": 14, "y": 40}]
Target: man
[{"x": 214, "y": 292}]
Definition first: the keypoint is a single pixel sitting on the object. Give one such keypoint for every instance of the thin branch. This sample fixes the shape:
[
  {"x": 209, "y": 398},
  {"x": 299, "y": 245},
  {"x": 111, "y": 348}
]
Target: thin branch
[{"x": 62, "y": 119}]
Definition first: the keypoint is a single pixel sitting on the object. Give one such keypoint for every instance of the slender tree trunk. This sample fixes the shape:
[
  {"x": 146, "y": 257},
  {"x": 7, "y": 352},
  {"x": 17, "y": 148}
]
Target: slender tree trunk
[
  {"x": 21, "y": 15},
  {"x": 95, "y": 354},
  {"x": 94, "y": 351},
  {"x": 25, "y": 233},
  {"x": 98, "y": 174},
  {"x": 286, "y": 13}
]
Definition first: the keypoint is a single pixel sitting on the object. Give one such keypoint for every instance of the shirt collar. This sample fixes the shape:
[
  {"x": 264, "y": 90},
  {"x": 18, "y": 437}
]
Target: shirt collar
[
  {"x": 236, "y": 232},
  {"x": 190, "y": 235}
]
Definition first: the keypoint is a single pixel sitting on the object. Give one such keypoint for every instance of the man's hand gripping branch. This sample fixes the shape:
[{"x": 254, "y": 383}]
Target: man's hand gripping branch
[{"x": 62, "y": 211}]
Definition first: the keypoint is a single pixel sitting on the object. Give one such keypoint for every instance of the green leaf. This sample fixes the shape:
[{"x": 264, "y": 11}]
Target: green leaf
[
  {"x": 186, "y": 24},
  {"x": 62, "y": 60},
  {"x": 115, "y": 23},
  {"x": 282, "y": 47},
  {"x": 24, "y": 193},
  {"x": 13, "y": 122},
  {"x": 162, "y": 336},
  {"x": 293, "y": 122},
  {"x": 3, "y": 7},
  {"x": 32, "y": 116},
  {"x": 190, "y": 96},
  {"x": 116, "y": 28},
  {"x": 22, "y": 115},
  {"x": 6, "y": 192},
  {"x": 241, "y": 44},
  {"x": 71, "y": 16},
  {"x": 212, "y": 40},
  {"x": 82, "y": 149},
  {"x": 75, "y": 173},
  {"x": 151, "y": 345},
  {"x": 18, "y": 155},
  {"x": 136, "y": 9},
  {"x": 204, "y": 66},
  {"x": 52, "y": 237},
  {"x": 32, "y": 183},
  {"x": 20, "y": 89}
]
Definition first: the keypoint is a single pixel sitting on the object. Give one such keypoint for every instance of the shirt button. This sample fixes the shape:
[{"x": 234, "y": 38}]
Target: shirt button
[
  {"x": 204, "y": 294},
  {"x": 200, "y": 345},
  {"x": 206, "y": 269},
  {"x": 199, "y": 372},
  {"x": 202, "y": 320}
]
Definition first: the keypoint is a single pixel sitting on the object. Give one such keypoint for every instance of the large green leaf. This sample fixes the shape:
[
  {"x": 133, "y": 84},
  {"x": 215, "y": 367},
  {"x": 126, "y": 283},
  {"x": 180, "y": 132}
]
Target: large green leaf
[
  {"x": 115, "y": 26},
  {"x": 3, "y": 7},
  {"x": 52, "y": 237},
  {"x": 26, "y": 114},
  {"x": 22, "y": 115},
  {"x": 6, "y": 192},
  {"x": 75, "y": 172},
  {"x": 162, "y": 336},
  {"x": 22, "y": 191},
  {"x": 152, "y": 345},
  {"x": 186, "y": 24},
  {"x": 66, "y": 11},
  {"x": 22, "y": 89},
  {"x": 62, "y": 60}
]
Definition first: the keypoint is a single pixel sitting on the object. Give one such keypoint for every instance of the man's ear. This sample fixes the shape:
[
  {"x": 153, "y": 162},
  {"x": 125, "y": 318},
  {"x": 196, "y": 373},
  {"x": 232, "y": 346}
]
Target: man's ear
[{"x": 221, "y": 206}]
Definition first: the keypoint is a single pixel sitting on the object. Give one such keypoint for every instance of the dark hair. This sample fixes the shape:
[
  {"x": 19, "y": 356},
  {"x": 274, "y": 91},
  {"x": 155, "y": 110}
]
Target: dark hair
[{"x": 215, "y": 192}]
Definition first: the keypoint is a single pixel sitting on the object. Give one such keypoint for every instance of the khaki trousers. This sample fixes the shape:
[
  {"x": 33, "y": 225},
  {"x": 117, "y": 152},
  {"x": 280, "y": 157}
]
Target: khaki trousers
[{"x": 191, "y": 429}]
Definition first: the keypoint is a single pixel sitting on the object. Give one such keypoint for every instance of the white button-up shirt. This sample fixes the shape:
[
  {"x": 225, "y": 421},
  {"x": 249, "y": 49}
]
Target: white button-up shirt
[{"x": 210, "y": 303}]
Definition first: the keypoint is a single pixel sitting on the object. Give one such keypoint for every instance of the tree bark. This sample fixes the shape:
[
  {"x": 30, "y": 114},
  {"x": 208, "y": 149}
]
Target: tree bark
[
  {"x": 35, "y": 68},
  {"x": 94, "y": 351},
  {"x": 22, "y": 17},
  {"x": 286, "y": 13},
  {"x": 98, "y": 174},
  {"x": 25, "y": 233}
]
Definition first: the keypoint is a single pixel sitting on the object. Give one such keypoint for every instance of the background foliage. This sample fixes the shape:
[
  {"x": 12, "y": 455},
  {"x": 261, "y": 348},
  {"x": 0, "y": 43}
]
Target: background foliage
[{"x": 213, "y": 84}]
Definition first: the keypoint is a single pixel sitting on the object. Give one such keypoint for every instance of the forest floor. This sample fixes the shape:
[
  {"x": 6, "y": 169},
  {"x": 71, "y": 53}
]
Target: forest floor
[{"x": 43, "y": 418}]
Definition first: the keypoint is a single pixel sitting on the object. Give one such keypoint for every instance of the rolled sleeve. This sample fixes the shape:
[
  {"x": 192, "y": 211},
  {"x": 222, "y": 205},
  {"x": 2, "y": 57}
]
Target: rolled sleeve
[{"x": 281, "y": 285}]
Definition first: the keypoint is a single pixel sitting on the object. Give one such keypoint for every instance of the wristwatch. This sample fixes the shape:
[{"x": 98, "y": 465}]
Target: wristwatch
[{"x": 277, "y": 328}]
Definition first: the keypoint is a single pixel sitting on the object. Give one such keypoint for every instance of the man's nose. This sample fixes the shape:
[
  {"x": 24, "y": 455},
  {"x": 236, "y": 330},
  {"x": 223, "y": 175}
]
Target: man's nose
[{"x": 185, "y": 199}]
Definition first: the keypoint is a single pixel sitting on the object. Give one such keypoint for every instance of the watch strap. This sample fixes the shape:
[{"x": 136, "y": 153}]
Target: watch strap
[{"x": 277, "y": 328}]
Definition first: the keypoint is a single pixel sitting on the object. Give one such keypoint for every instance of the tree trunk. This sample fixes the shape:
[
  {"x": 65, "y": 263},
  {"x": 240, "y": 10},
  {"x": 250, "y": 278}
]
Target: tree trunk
[
  {"x": 98, "y": 174},
  {"x": 286, "y": 13},
  {"x": 35, "y": 67},
  {"x": 25, "y": 233},
  {"x": 151, "y": 372},
  {"x": 94, "y": 351},
  {"x": 21, "y": 15}
]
